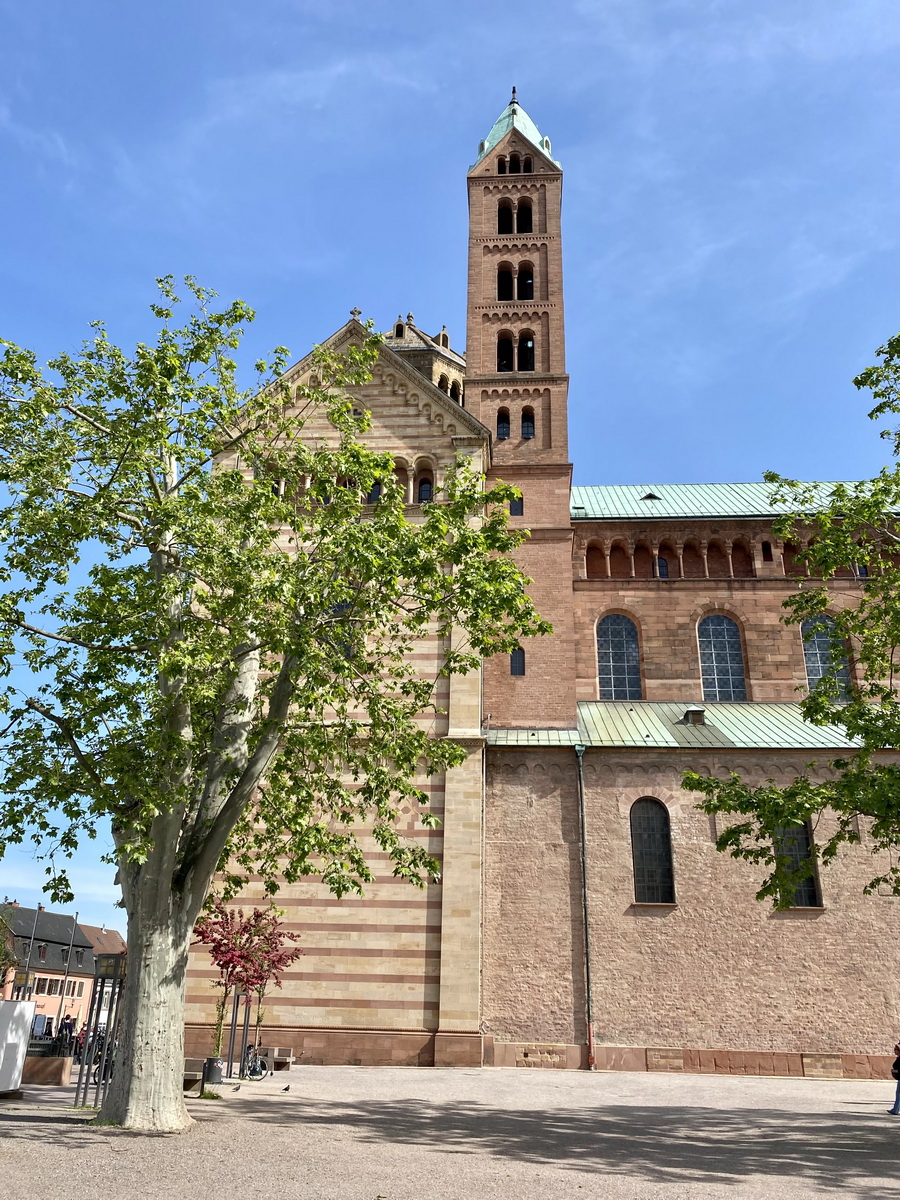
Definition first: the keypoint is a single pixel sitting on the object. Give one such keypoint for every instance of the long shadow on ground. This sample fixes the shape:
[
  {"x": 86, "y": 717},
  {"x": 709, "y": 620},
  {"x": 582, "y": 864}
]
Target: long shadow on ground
[
  {"x": 838, "y": 1152},
  {"x": 858, "y": 1155}
]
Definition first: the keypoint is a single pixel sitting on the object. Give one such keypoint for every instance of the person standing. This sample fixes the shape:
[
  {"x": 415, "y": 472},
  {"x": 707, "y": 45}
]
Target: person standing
[{"x": 895, "y": 1073}]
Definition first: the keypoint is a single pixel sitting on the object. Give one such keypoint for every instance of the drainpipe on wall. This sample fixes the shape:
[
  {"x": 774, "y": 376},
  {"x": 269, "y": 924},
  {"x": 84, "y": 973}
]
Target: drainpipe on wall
[{"x": 588, "y": 998}]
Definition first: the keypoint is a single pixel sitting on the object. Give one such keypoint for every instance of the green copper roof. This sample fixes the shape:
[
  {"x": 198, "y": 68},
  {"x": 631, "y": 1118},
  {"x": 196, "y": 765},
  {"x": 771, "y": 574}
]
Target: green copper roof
[
  {"x": 513, "y": 116},
  {"x": 661, "y": 726},
  {"x": 633, "y": 501}
]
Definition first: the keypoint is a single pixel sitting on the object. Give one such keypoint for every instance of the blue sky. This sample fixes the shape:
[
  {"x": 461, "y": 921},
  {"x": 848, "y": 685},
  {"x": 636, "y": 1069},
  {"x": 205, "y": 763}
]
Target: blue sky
[{"x": 730, "y": 201}]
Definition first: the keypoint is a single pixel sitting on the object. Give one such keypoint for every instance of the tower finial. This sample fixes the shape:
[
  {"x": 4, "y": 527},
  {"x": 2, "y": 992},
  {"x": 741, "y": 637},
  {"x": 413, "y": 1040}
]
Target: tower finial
[{"x": 514, "y": 100}]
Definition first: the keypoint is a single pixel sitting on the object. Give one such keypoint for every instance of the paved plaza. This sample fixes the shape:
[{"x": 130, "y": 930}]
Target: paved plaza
[{"x": 349, "y": 1133}]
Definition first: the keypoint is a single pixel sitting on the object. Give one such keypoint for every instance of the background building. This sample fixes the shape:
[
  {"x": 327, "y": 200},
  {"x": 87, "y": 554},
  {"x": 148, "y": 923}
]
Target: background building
[{"x": 668, "y": 653}]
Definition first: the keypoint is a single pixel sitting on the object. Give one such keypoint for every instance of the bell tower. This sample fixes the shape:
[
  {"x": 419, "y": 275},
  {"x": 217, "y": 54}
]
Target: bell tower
[{"x": 516, "y": 384}]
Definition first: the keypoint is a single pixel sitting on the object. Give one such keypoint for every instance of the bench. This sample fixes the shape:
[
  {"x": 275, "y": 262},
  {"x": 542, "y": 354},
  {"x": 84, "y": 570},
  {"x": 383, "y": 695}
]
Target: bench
[
  {"x": 277, "y": 1058},
  {"x": 193, "y": 1072}
]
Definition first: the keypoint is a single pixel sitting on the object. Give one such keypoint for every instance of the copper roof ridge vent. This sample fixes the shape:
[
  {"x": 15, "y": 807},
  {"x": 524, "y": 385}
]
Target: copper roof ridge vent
[{"x": 694, "y": 714}]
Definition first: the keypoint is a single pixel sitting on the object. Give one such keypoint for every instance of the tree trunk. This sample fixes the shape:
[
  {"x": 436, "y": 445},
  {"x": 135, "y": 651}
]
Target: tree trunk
[{"x": 146, "y": 1090}]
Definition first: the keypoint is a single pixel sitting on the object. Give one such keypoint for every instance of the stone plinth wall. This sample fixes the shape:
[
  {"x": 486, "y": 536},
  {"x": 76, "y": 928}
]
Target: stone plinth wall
[{"x": 334, "y": 1047}]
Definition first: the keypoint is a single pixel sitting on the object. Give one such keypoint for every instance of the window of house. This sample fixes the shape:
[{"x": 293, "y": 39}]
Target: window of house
[
  {"x": 502, "y": 424},
  {"x": 721, "y": 658},
  {"x": 504, "y": 217},
  {"x": 517, "y": 661},
  {"x": 821, "y": 649},
  {"x": 651, "y": 848},
  {"x": 527, "y": 423},
  {"x": 80, "y": 988},
  {"x": 505, "y": 352},
  {"x": 793, "y": 847},
  {"x": 79, "y": 959},
  {"x": 526, "y": 351},
  {"x": 42, "y": 952},
  {"x": 618, "y": 658},
  {"x": 525, "y": 282},
  {"x": 40, "y": 986},
  {"x": 517, "y": 507},
  {"x": 523, "y": 217}
]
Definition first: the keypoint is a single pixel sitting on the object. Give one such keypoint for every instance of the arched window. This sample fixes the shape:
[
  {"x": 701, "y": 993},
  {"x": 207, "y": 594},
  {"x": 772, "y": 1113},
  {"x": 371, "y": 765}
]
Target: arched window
[
  {"x": 527, "y": 423},
  {"x": 651, "y": 849},
  {"x": 526, "y": 164},
  {"x": 523, "y": 217},
  {"x": 398, "y": 331},
  {"x": 454, "y": 391},
  {"x": 504, "y": 282},
  {"x": 525, "y": 282},
  {"x": 526, "y": 351},
  {"x": 501, "y": 165},
  {"x": 662, "y": 567},
  {"x": 821, "y": 649},
  {"x": 767, "y": 555},
  {"x": 515, "y": 167},
  {"x": 618, "y": 659},
  {"x": 502, "y": 424},
  {"x": 517, "y": 661},
  {"x": 424, "y": 488},
  {"x": 517, "y": 507},
  {"x": 793, "y": 847},
  {"x": 444, "y": 383},
  {"x": 505, "y": 217},
  {"x": 374, "y": 493},
  {"x": 721, "y": 658},
  {"x": 505, "y": 352}
]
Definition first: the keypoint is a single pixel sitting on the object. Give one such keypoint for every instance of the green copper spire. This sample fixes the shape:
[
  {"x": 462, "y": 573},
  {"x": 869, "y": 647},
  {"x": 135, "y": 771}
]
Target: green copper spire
[{"x": 513, "y": 116}]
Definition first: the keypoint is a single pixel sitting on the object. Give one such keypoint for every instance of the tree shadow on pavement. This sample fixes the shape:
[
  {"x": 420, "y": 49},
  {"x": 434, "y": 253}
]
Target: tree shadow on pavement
[{"x": 834, "y": 1152}]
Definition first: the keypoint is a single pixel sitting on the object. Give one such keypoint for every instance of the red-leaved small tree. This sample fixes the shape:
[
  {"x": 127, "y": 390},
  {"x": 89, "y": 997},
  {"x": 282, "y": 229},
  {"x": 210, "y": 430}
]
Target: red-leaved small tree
[{"x": 250, "y": 953}]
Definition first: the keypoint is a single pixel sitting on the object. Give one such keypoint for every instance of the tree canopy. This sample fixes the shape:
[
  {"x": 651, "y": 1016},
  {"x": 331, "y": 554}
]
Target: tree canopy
[
  {"x": 849, "y": 530},
  {"x": 217, "y": 614}
]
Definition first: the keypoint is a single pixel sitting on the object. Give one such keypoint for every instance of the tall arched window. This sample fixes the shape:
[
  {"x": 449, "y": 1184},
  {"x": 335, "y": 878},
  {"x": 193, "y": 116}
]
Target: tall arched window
[
  {"x": 662, "y": 567},
  {"x": 505, "y": 352},
  {"x": 444, "y": 383},
  {"x": 793, "y": 845},
  {"x": 505, "y": 217},
  {"x": 651, "y": 849},
  {"x": 501, "y": 165},
  {"x": 525, "y": 282},
  {"x": 527, "y": 165},
  {"x": 527, "y": 424},
  {"x": 454, "y": 391},
  {"x": 398, "y": 330},
  {"x": 517, "y": 661},
  {"x": 526, "y": 351},
  {"x": 515, "y": 167},
  {"x": 504, "y": 282},
  {"x": 523, "y": 217},
  {"x": 618, "y": 658},
  {"x": 424, "y": 488},
  {"x": 502, "y": 424},
  {"x": 820, "y": 650},
  {"x": 721, "y": 658}
]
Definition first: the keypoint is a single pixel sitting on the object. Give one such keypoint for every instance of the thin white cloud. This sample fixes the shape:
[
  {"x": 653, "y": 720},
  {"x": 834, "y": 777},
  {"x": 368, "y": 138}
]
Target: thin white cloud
[{"x": 47, "y": 145}]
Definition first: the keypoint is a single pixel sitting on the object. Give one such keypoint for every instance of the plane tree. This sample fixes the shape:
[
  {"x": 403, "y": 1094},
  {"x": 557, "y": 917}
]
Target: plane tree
[{"x": 215, "y": 606}]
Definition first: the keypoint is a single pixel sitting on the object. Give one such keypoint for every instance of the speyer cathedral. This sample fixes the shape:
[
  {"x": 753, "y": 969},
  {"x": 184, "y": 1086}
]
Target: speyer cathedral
[{"x": 668, "y": 653}]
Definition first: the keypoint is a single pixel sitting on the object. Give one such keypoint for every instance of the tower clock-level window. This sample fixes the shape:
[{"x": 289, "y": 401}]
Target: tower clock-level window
[
  {"x": 523, "y": 217},
  {"x": 527, "y": 424},
  {"x": 501, "y": 165},
  {"x": 517, "y": 661},
  {"x": 721, "y": 658},
  {"x": 505, "y": 352},
  {"x": 504, "y": 282},
  {"x": 505, "y": 217},
  {"x": 515, "y": 165},
  {"x": 651, "y": 849},
  {"x": 618, "y": 658},
  {"x": 525, "y": 282},
  {"x": 527, "y": 165},
  {"x": 793, "y": 847},
  {"x": 502, "y": 424},
  {"x": 526, "y": 351}
]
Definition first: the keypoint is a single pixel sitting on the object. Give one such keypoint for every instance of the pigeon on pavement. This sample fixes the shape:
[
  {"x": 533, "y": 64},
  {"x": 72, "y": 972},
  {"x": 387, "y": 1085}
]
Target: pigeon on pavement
[{"x": 286, "y": 1089}]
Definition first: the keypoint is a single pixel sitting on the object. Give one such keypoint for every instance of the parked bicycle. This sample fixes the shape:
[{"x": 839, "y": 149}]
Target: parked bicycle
[{"x": 252, "y": 1066}]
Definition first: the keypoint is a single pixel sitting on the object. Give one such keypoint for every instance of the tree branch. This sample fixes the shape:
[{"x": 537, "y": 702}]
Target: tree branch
[{"x": 62, "y": 725}]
